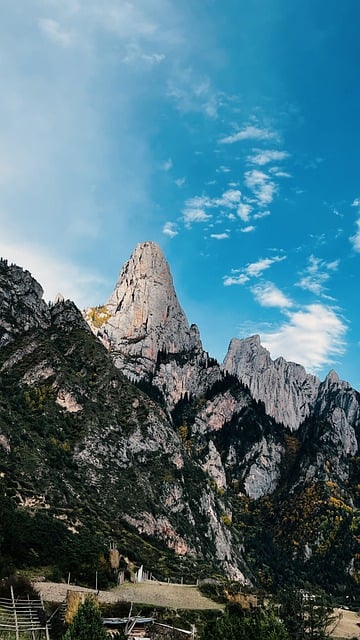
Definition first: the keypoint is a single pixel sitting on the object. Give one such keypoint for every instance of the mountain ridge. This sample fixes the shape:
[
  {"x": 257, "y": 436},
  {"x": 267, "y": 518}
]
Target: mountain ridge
[{"x": 187, "y": 459}]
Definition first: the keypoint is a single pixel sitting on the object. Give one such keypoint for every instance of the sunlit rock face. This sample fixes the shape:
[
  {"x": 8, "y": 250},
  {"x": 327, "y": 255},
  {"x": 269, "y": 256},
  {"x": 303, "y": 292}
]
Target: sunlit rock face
[
  {"x": 285, "y": 388},
  {"x": 291, "y": 395},
  {"x": 143, "y": 316}
]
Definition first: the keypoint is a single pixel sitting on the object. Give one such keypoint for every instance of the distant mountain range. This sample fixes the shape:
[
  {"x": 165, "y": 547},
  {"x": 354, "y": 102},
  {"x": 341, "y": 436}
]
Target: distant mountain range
[{"x": 115, "y": 424}]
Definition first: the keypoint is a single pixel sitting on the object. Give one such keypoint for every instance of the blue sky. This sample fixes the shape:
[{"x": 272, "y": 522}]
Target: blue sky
[{"x": 228, "y": 132}]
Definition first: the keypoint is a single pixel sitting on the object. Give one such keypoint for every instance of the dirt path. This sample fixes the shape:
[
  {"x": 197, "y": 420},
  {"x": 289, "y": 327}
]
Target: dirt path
[
  {"x": 158, "y": 594},
  {"x": 349, "y": 624}
]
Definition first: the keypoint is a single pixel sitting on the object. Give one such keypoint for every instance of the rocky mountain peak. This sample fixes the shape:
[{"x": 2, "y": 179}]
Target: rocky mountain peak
[
  {"x": 143, "y": 315},
  {"x": 21, "y": 305},
  {"x": 288, "y": 392}
]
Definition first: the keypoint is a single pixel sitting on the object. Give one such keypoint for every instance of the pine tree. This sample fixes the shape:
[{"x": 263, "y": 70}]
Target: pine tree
[{"x": 87, "y": 623}]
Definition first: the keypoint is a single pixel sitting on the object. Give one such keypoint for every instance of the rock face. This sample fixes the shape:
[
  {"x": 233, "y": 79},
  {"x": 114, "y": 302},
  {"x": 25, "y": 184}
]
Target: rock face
[
  {"x": 143, "y": 316},
  {"x": 21, "y": 304},
  {"x": 291, "y": 395},
  {"x": 285, "y": 388}
]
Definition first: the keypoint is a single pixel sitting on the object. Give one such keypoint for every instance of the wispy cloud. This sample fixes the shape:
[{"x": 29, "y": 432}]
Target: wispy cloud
[
  {"x": 195, "y": 210},
  {"x": 278, "y": 173},
  {"x": 170, "y": 229},
  {"x": 70, "y": 128},
  {"x": 248, "y": 229},
  {"x": 134, "y": 54},
  {"x": 250, "y": 132},
  {"x": 223, "y": 169},
  {"x": 190, "y": 93},
  {"x": 252, "y": 270},
  {"x": 261, "y": 214},
  {"x": 316, "y": 274},
  {"x": 219, "y": 236},
  {"x": 355, "y": 239},
  {"x": 53, "y": 31},
  {"x": 267, "y": 294},
  {"x": 167, "y": 165},
  {"x": 313, "y": 336},
  {"x": 180, "y": 182},
  {"x": 261, "y": 186},
  {"x": 264, "y": 156}
]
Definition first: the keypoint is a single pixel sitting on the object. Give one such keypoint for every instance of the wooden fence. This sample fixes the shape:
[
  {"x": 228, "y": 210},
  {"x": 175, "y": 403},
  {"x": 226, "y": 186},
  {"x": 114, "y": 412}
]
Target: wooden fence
[{"x": 23, "y": 618}]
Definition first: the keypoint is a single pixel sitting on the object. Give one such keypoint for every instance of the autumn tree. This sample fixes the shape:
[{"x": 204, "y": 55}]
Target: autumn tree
[{"x": 87, "y": 623}]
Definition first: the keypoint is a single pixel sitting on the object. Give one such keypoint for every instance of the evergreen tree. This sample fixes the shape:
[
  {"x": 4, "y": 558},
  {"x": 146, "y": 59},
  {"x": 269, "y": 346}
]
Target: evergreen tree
[
  {"x": 306, "y": 615},
  {"x": 87, "y": 623},
  {"x": 235, "y": 625}
]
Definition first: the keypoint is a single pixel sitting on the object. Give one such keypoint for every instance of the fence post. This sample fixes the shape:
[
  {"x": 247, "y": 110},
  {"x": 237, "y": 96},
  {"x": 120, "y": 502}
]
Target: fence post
[{"x": 15, "y": 615}]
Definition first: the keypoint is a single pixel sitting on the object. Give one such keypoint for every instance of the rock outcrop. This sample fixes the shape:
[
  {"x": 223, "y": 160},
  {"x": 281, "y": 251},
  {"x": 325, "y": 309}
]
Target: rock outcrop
[{"x": 21, "y": 305}]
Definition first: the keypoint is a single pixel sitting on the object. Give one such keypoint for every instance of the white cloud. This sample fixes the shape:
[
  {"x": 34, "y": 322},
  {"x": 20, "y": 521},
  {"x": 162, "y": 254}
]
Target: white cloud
[
  {"x": 265, "y": 156},
  {"x": 275, "y": 171},
  {"x": 223, "y": 169},
  {"x": 55, "y": 274},
  {"x": 195, "y": 209},
  {"x": 316, "y": 274},
  {"x": 136, "y": 54},
  {"x": 167, "y": 165},
  {"x": 52, "y": 29},
  {"x": 261, "y": 185},
  {"x": 244, "y": 211},
  {"x": 248, "y": 229},
  {"x": 252, "y": 270},
  {"x": 240, "y": 279},
  {"x": 261, "y": 214},
  {"x": 311, "y": 337},
  {"x": 180, "y": 182},
  {"x": 170, "y": 229},
  {"x": 219, "y": 236},
  {"x": 257, "y": 268},
  {"x": 229, "y": 198},
  {"x": 355, "y": 239},
  {"x": 57, "y": 123},
  {"x": 268, "y": 295},
  {"x": 250, "y": 132}
]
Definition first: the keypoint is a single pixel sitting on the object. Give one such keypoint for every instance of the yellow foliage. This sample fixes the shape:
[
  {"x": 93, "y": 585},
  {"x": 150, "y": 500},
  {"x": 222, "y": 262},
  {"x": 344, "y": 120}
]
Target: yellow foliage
[{"x": 98, "y": 316}]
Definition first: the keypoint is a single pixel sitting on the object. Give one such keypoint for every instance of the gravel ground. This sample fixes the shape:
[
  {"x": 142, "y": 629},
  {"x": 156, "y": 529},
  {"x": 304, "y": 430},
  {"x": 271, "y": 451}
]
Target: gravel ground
[
  {"x": 349, "y": 624},
  {"x": 158, "y": 594}
]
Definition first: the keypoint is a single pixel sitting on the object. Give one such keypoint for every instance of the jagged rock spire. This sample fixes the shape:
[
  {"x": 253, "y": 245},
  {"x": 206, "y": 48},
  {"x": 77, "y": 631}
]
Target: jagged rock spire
[{"x": 143, "y": 315}]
